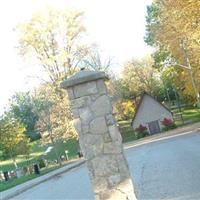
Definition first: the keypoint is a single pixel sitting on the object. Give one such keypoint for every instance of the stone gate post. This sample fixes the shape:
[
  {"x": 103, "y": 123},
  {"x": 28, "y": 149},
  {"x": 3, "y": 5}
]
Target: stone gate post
[{"x": 99, "y": 137}]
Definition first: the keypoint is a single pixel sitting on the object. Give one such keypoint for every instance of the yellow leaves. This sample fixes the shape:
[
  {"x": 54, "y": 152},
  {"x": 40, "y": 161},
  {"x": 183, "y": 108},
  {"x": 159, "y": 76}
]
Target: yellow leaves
[
  {"x": 128, "y": 106},
  {"x": 128, "y": 109},
  {"x": 178, "y": 20},
  {"x": 54, "y": 115},
  {"x": 11, "y": 134},
  {"x": 52, "y": 37},
  {"x": 177, "y": 31}
]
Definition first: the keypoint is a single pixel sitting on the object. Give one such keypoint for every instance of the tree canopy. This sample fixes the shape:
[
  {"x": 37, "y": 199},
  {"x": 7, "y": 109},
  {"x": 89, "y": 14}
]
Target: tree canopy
[
  {"x": 12, "y": 137},
  {"x": 53, "y": 37},
  {"x": 140, "y": 76},
  {"x": 22, "y": 109},
  {"x": 54, "y": 121},
  {"x": 173, "y": 27}
]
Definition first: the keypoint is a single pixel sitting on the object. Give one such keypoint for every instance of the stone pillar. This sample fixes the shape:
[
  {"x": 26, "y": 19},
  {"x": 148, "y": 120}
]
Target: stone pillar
[{"x": 99, "y": 137}]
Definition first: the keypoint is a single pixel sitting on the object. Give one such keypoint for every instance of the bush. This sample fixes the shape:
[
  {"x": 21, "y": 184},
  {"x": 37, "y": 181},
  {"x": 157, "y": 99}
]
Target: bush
[
  {"x": 168, "y": 124},
  {"x": 141, "y": 131},
  {"x": 41, "y": 163}
]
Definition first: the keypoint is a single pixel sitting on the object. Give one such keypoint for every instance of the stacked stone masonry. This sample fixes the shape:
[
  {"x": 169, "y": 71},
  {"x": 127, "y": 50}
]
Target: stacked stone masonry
[{"x": 100, "y": 140}]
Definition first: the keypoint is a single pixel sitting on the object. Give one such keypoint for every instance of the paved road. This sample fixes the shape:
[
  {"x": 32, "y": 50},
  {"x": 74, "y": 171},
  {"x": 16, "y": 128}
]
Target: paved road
[{"x": 167, "y": 169}]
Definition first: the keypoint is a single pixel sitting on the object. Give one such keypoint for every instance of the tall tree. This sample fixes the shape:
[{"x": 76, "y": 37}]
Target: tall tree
[
  {"x": 54, "y": 121},
  {"x": 12, "y": 137},
  {"x": 173, "y": 27},
  {"x": 54, "y": 38},
  {"x": 54, "y": 114},
  {"x": 22, "y": 108},
  {"x": 140, "y": 76},
  {"x": 95, "y": 60}
]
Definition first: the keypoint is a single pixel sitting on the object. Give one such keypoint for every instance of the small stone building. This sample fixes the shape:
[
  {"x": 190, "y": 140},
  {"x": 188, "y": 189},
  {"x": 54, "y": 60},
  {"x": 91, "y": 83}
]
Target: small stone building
[{"x": 150, "y": 113}]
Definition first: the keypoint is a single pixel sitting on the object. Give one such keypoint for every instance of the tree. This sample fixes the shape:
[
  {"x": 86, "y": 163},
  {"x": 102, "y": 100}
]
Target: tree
[
  {"x": 12, "y": 137},
  {"x": 95, "y": 60},
  {"x": 53, "y": 37},
  {"x": 54, "y": 114},
  {"x": 128, "y": 109},
  {"x": 54, "y": 121},
  {"x": 169, "y": 77},
  {"x": 173, "y": 28},
  {"x": 121, "y": 94},
  {"x": 140, "y": 76},
  {"x": 22, "y": 109}
]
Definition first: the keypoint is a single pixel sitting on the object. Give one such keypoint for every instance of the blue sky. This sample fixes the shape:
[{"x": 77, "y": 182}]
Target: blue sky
[{"x": 117, "y": 27}]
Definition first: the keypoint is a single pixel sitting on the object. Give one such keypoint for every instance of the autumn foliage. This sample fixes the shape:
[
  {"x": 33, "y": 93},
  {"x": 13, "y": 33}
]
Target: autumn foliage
[{"x": 173, "y": 26}]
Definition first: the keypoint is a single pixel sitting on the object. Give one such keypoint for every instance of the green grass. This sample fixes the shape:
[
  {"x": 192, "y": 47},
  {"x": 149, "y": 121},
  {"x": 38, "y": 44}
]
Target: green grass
[
  {"x": 16, "y": 181},
  {"x": 37, "y": 150},
  {"x": 190, "y": 115},
  {"x": 126, "y": 131}
]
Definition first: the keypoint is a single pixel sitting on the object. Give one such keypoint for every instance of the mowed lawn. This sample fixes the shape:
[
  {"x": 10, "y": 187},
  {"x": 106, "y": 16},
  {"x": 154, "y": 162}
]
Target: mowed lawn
[
  {"x": 16, "y": 181},
  {"x": 126, "y": 131},
  {"x": 37, "y": 150},
  {"x": 191, "y": 114}
]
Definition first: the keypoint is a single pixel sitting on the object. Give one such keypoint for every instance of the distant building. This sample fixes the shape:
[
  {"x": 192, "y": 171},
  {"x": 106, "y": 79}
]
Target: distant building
[{"x": 150, "y": 113}]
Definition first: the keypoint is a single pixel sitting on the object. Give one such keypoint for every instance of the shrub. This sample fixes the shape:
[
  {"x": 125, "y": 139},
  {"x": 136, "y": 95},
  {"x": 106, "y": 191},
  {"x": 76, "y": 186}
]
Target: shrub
[
  {"x": 168, "y": 124},
  {"x": 141, "y": 131},
  {"x": 41, "y": 163}
]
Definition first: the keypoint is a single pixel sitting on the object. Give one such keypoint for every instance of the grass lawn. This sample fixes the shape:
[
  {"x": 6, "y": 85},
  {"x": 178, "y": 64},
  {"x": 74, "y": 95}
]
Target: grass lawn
[
  {"x": 37, "y": 150},
  {"x": 190, "y": 115},
  {"x": 16, "y": 181},
  {"x": 126, "y": 131}
]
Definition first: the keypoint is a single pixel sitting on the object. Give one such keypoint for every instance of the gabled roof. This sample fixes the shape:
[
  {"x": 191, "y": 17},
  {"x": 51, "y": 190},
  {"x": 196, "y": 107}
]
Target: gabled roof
[{"x": 140, "y": 102}]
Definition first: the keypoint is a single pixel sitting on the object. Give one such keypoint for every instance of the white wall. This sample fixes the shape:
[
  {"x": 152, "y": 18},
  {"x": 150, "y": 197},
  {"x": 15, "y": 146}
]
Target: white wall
[{"x": 150, "y": 110}]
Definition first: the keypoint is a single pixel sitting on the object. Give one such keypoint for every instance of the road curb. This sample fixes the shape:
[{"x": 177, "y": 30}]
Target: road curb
[
  {"x": 165, "y": 135},
  {"x": 8, "y": 194}
]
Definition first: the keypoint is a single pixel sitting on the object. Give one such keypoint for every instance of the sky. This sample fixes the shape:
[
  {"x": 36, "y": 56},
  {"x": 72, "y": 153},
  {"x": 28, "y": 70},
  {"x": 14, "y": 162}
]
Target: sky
[{"x": 117, "y": 27}]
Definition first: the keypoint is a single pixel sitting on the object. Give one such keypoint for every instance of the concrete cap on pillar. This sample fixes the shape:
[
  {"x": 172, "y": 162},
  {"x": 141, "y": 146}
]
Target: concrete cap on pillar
[{"x": 83, "y": 76}]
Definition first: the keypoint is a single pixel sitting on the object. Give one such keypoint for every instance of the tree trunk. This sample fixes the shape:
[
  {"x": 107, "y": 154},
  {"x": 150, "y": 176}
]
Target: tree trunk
[
  {"x": 55, "y": 150},
  {"x": 195, "y": 87},
  {"x": 14, "y": 161},
  {"x": 192, "y": 76}
]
